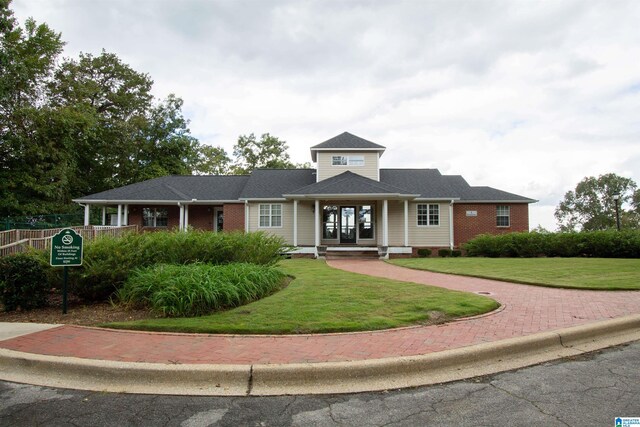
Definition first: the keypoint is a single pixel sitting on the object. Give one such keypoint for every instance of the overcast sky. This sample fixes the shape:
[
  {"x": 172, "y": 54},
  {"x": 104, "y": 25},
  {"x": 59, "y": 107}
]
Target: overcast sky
[{"x": 525, "y": 96}]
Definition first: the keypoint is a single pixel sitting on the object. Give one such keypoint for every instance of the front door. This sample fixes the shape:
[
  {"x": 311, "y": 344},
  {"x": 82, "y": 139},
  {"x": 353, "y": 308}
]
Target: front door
[
  {"x": 218, "y": 219},
  {"x": 348, "y": 222}
]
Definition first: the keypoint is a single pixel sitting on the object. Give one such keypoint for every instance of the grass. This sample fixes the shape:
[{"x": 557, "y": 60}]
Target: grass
[
  {"x": 321, "y": 299},
  {"x": 575, "y": 273}
]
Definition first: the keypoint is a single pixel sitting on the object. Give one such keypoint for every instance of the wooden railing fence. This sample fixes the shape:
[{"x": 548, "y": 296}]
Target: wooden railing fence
[{"x": 16, "y": 241}]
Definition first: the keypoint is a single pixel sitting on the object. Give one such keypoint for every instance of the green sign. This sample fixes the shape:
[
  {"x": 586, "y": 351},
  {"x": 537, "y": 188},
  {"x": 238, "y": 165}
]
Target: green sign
[{"x": 66, "y": 249}]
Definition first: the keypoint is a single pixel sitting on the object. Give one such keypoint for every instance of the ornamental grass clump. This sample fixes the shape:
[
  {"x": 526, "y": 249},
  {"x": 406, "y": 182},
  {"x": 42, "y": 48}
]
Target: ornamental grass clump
[{"x": 198, "y": 289}]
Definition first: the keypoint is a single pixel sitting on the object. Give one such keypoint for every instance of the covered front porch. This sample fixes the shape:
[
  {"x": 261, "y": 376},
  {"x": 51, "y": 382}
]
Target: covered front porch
[{"x": 359, "y": 225}]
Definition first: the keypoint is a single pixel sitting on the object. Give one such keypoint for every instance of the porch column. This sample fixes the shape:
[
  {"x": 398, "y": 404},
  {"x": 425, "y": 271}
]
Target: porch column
[
  {"x": 186, "y": 216},
  {"x": 119, "y": 222},
  {"x": 295, "y": 223},
  {"x": 246, "y": 216},
  {"x": 451, "y": 225},
  {"x": 126, "y": 215},
  {"x": 104, "y": 215},
  {"x": 406, "y": 223},
  {"x": 385, "y": 223},
  {"x": 86, "y": 215},
  {"x": 317, "y": 223},
  {"x": 181, "y": 220}
]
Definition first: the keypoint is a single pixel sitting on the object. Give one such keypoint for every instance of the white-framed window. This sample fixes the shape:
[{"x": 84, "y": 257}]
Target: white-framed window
[
  {"x": 347, "y": 160},
  {"x": 428, "y": 214},
  {"x": 270, "y": 215},
  {"x": 155, "y": 217},
  {"x": 503, "y": 216},
  {"x": 365, "y": 222},
  {"x": 339, "y": 160}
]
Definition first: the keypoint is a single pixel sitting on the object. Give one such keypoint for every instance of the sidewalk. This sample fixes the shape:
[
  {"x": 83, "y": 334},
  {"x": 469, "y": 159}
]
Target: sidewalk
[{"x": 526, "y": 310}]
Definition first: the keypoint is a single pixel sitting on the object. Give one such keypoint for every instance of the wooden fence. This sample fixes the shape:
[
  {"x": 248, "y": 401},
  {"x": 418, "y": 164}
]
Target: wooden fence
[{"x": 15, "y": 241}]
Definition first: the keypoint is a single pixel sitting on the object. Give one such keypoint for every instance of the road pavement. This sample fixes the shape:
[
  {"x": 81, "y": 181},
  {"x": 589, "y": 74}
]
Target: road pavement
[{"x": 588, "y": 390}]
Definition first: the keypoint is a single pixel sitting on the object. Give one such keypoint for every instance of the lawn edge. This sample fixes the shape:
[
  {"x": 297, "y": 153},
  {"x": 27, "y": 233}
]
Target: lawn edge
[{"x": 521, "y": 282}]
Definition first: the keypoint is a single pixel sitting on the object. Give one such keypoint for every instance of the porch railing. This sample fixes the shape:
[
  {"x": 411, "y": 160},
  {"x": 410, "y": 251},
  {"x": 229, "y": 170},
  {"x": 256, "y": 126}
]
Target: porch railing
[{"x": 16, "y": 241}]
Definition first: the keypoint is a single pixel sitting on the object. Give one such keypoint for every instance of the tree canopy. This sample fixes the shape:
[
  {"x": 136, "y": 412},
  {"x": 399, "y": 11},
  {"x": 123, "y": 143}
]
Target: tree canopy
[
  {"x": 591, "y": 206},
  {"x": 79, "y": 126}
]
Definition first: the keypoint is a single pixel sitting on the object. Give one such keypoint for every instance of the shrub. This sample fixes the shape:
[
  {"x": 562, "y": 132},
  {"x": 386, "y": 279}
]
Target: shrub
[
  {"x": 424, "y": 252},
  {"x": 23, "y": 282},
  {"x": 602, "y": 244},
  {"x": 456, "y": 253},
  {"x": 444, "y": 252},
  {"x": 108, "y": 261},
  {"x": 198, "y": 289}
]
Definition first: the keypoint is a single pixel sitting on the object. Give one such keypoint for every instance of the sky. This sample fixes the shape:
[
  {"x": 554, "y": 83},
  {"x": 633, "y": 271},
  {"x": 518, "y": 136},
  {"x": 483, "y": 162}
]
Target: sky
[{"x": 526, "y": 96}]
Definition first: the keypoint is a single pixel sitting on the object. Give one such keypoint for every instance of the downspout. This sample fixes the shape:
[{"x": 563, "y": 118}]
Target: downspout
[{"x": 451, "y": 225}]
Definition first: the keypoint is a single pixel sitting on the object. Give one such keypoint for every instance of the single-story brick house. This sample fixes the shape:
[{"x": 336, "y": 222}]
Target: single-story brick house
[{"x": 346, "y": 202}]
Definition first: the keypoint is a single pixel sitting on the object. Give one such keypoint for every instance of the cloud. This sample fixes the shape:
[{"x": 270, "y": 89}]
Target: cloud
[{"x": 528, "y": 97}]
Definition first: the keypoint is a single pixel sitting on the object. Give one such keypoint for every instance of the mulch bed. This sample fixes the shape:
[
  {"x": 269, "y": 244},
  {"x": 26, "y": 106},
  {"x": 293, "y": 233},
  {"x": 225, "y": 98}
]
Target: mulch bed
[{"x": 78, "y": 313}]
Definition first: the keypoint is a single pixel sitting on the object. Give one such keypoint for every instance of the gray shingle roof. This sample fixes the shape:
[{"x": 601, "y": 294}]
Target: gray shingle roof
[
  {"x": 431, "y": 184},
  {"x": 273, "y": 183},
  {"x": 176, "y": 188},
  {"x": 349, "y": 183},
  {"x": 347, "y": 140}
]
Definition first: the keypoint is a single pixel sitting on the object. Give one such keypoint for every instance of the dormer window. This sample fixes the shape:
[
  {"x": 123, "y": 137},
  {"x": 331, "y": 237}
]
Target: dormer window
[{"x": 347, "y": 160}]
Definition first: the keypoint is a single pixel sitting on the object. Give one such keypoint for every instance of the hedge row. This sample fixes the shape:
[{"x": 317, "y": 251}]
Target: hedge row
[
  {"x": 108, "y": 262},
  {"x": 600, "y": 244}
]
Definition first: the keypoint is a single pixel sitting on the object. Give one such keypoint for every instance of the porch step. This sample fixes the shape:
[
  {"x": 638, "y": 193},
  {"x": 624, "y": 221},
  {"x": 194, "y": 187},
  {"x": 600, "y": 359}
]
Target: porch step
[{"x": 349, "y": 253}]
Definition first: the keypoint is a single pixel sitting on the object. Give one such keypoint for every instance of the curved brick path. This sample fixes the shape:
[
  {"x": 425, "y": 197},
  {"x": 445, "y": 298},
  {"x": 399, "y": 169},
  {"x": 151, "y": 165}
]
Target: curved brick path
[{"x": 527, "y": 310}]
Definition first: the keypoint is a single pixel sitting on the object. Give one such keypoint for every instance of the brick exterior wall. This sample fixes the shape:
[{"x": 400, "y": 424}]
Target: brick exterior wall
[
  {"x": 466, "y": 227},
  {"x": 200, "y": 216},
  {"x": 233, "y": 217}
]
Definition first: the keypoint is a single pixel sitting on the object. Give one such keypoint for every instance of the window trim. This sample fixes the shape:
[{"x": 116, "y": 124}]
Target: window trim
[
  {"x": 373, "y": 223},
  {"x": 155, "y": 217},
  {"x": 427, "y": 214},
  {"x": 270, "y": 215},
  {"x": 348, "y": 160},
  {"x": 508, "y": 216}
]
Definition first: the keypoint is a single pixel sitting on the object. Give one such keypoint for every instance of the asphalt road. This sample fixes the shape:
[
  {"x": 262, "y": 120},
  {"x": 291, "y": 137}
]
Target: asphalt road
[{"x": 588, "y": 390}]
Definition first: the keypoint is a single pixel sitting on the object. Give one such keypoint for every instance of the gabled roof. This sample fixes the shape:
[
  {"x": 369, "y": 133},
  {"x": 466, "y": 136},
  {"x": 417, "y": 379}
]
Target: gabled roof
[
  {"x": 428, "y": 183},
  {"x": 273, "y": 183},
  {"x": 431, "y": 184},
  {"x": 176, "y": 188},
  {"x": 350, "y": 184},
  {"x": 346, "y": 142}
]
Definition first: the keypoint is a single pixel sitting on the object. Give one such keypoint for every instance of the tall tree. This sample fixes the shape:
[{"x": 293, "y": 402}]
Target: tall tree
[
  {"x": 212, "y": 161},
  {"x": 591, "y": 206},
  {"x": 268, "y": 152},
  {"x": 114, "y": 99},
  {"x": 34, "y": 166}
]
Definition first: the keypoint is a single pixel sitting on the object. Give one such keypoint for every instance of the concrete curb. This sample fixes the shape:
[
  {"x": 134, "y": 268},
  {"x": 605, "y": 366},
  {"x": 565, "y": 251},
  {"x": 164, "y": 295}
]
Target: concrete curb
[{"x": 316, "y": 378}]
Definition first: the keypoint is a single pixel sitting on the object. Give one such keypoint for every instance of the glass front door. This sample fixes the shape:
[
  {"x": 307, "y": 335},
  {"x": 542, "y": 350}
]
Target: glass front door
[
  {"x": 218, "y": 219},
  {"x": 348, "y": 222}
]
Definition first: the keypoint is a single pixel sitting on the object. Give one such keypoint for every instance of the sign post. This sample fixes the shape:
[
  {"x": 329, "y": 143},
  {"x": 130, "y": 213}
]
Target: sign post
[{"x": 66, "y": 251}]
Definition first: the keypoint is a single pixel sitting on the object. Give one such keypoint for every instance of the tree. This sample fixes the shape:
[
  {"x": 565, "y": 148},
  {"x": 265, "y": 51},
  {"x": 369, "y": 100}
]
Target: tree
[
  {"x": 270, "y": 152},
  {"x": 114, "y": 100},
  {"x": 591, "y": 205},
  {"x": 34, "y": 167},
  {"x": 212, "y": 161}
]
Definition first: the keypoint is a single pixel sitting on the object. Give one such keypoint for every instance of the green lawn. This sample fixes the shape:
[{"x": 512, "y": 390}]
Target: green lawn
[
  {"x": 323, "y": 299},
  {"x": 579, "y": 273}
]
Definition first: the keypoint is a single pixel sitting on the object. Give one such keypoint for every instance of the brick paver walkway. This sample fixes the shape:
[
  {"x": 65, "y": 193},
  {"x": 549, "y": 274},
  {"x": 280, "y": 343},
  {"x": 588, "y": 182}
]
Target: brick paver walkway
[{"x": 527, "y": 310}]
